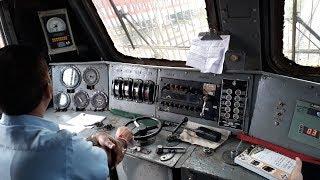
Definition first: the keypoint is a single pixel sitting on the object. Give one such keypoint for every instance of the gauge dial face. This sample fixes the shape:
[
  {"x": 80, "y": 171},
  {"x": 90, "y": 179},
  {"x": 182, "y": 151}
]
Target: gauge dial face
[
  {"x": 56, "y": 24},
  {"x": 81, "y": 99},
  {"x": 70, "y": 77},
  {"x": 91, "y": 76},
  {"x": 99, "y": 100},
  {"x": 62, "y": 100}
]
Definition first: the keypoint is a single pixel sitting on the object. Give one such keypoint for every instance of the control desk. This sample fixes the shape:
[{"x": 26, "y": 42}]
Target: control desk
[{"x": 259, "y": 104}]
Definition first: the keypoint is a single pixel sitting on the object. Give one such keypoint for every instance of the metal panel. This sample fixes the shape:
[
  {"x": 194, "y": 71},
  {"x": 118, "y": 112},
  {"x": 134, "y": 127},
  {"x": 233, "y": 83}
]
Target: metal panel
[
  {"x": 238, "y": 18},
  {"x": 274, "y": 108},
  {"x": 102, "y": 85},
  {"x": 197, "y": 76},
  {"x": 133, "y": 72}
]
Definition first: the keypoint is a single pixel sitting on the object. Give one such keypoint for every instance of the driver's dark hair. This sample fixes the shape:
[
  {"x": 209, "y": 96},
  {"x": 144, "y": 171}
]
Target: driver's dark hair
[{"x": 23, "y": 79}]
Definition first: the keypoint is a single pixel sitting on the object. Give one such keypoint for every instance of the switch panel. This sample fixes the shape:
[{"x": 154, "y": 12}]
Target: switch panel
[
  {"x": 189, "y": 98},
  {"x": 233, "y": 103}
]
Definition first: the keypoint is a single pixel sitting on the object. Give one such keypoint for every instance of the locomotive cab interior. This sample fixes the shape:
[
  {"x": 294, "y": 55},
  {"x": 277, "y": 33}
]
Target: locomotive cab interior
[{"x": 202, "y": 84}]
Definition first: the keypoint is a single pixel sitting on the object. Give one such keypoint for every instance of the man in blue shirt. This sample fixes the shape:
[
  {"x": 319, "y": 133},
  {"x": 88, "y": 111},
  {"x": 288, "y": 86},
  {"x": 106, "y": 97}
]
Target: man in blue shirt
[{"x": 30, "y": 146}]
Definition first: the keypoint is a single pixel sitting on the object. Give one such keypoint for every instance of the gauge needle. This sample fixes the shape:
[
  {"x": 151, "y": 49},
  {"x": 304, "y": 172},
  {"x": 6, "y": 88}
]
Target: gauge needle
[{"x": 80, "y": 99}]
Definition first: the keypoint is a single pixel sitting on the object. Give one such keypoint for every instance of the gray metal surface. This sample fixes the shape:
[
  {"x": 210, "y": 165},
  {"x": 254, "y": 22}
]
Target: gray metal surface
[
  {"x": 102, "y": 85},
  {"x": 266, "y": 124},
  {"x": 214, "y": 166},
  {"x": 133, "y": 72}
]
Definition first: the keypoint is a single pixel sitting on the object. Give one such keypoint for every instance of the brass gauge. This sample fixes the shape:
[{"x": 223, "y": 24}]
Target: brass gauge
[
  {"x": 99, "y": 100},
  {"x": 62, "y": 101},
  {"x": 81, "y": 100},
  {"x": 70, "y": 77},
  {"x": 91, "y": 76}
]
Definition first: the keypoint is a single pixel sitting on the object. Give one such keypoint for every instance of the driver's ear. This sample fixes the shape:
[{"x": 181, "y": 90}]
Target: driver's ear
[{"x": 49, "y": 89}]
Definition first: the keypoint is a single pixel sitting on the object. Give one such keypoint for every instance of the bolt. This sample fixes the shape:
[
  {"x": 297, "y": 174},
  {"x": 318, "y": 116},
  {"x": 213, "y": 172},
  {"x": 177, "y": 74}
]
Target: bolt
[{"x": 234, "y": 58}]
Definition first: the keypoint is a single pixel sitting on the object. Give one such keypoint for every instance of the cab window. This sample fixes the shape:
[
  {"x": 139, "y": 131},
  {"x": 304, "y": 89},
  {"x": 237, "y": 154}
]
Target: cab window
[
  {"x": 301, "y": 32},
  {"x": 160, "y": 29}
]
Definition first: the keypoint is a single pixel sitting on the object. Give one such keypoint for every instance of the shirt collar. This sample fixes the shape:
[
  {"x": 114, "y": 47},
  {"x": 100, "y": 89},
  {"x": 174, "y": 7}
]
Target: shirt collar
[{"x": 28, "y": 120}]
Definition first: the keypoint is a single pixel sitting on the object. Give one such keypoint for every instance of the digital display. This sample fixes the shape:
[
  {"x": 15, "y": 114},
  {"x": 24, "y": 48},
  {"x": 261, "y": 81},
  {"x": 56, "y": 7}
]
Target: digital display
[{"x": 311, "y": 132}]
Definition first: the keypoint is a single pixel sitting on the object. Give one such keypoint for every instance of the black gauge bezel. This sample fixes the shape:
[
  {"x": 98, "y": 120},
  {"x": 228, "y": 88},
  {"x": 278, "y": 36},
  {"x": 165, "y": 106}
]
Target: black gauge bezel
[
  {"x": 93, "y": 103},
  {"x": 79, "y": 74},
  {"x": 88, "y": 69},
  {"x": 87, "y": 100},
  {"x": 58, "y": 105}
]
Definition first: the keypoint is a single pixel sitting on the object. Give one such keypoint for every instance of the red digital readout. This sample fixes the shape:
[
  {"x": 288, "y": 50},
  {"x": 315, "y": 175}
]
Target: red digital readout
[{"x": 311, "y": 132}]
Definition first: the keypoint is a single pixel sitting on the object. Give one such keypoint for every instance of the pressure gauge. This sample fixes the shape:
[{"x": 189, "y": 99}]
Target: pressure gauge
[
  {"x": 81, "y": 99},
  {"x": 91, "y": 76},
  {"x": 62, "y": 101},
  {"x": 99, "y": 100},
  {"x": 70, "y": 77}
]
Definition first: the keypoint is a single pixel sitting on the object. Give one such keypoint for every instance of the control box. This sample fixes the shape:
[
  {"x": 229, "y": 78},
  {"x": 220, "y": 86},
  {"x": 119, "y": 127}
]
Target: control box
[{"x": 305, "y": 125}]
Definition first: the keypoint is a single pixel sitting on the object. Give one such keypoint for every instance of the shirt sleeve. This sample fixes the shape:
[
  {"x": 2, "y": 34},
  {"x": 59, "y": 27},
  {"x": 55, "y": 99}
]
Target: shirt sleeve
[{"x": 86, "y": 161}]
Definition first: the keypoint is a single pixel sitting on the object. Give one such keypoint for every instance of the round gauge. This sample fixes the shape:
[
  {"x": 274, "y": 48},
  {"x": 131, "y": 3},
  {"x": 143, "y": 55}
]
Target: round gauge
[
  {"x": 81, "y": 99},
  {"x": 99, "y": 100},
  {"x": 62, "y": 100},
  {"x": 91, "y": 76},
  {"x": 56, "y": 24},
  {"x": 70, "y": 77}
]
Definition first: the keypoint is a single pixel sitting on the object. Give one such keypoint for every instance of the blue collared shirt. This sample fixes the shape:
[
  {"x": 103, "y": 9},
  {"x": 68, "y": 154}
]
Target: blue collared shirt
[{"x": 33, "y": 148}]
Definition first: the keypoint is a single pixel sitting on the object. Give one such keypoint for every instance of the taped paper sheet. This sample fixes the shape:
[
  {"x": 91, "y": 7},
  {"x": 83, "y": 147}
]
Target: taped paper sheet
[
  {"x": 73, "y": 129},
  {"x": 84, "y": 119},
  {"x": 208, "y": 55}
]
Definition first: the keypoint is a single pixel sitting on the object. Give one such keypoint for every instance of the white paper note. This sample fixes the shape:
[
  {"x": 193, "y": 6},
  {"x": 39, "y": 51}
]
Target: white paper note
[
  {"x": 208, "y": 55},
  {"x": 73, "y": 129},
  {"x": 85, "y": 119}
]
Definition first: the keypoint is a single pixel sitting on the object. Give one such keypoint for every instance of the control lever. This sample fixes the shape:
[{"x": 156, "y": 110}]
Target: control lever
[
  {"x": 205, "y": 99},
  {"x": 207, "y": 133},
  {"x": 161, "y": 149},
  {"x": 172, "y": 136}
]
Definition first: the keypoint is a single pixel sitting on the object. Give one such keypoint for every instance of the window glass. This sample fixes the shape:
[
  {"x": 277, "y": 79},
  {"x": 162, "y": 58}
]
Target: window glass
[
  {"x": 161, "y": 29},
  {"x": 301, "y": 33},
  {"x": 1, "y": 41}
]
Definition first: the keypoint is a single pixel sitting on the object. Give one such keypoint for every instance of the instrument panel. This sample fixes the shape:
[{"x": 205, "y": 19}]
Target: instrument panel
[
  {"x": 234, "y": 101},
  {"x": 168, "y": 94},
  {"x": 80, "y": 87}
]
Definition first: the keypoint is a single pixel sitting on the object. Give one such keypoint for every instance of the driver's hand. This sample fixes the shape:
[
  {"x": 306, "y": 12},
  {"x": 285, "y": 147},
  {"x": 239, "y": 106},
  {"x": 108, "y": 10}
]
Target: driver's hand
[
  {"x": 125, "y": 134},
  {"x": 296, "y": 173},
  {"x": 114, "y": 148}
]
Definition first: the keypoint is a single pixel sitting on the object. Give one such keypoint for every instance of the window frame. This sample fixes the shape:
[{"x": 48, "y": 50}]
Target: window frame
[
  {"x": 213, "y": 23},
  {"x": 6, "y": 26},
  {"x": 273, "y": 22}
]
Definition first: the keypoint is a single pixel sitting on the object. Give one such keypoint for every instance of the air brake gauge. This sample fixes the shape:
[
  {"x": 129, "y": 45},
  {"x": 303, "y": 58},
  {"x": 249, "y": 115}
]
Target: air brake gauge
[
  {"x": 91, "y": 76},
  {"x": 81, "y": 100},
  {"x": 57, "y": 30},
  {"x": 62, "y": 101},
  {"x": 99, "y": 101},
  {"x": 70, "y": 77}
]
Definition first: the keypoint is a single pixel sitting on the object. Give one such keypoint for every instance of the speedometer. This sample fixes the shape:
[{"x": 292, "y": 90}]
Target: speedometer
[{"x": 56, "y": 24}]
